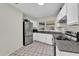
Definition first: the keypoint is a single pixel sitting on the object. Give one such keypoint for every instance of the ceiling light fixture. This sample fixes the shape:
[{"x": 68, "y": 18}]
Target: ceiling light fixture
[
  {"x": 40, "y": 3},
  {"x": 16, "y": 3}
]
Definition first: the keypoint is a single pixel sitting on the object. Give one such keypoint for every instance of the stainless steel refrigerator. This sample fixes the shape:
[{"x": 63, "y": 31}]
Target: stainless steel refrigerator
[{"x": 27, "y": 32}]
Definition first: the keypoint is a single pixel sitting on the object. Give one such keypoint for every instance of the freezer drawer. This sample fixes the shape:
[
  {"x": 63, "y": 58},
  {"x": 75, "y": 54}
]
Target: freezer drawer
[{"x": 28, "y": 39}]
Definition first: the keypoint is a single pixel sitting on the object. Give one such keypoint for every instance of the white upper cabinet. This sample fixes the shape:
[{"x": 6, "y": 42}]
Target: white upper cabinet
[
  {"x": 72, "y": 13},
  {"x": 62, "y": 13},
  {"x": 71, "y": 10}
]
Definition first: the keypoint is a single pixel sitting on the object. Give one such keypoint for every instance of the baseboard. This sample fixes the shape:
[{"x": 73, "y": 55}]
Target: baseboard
[{"x": 13, "y": 51}]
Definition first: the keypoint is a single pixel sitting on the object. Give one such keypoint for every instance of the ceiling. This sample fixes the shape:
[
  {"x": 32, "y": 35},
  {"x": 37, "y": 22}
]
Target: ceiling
[{"x": 37, "y": 11}]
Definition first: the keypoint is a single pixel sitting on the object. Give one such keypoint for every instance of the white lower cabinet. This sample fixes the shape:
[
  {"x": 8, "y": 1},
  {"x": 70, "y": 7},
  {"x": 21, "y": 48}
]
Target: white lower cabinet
[
  {"x": 46, "y": 38},
  {"x": 62, "y": 53}
]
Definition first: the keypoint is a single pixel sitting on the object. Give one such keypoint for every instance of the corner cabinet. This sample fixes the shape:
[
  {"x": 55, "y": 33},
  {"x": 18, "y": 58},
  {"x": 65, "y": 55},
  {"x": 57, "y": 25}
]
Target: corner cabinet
[
  {"x": 61, "y": 16},
  {"x": 72, "y": 13},
  {"x": 62, "y": 13}
]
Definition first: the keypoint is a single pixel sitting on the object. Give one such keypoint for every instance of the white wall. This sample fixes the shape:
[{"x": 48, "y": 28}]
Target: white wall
[{"x": 10, "y": 29}]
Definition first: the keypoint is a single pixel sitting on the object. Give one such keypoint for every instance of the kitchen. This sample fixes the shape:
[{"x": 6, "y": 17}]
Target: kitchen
[
  {"x": 30, "y": 29},
  {"x": 62, "y": 23}
]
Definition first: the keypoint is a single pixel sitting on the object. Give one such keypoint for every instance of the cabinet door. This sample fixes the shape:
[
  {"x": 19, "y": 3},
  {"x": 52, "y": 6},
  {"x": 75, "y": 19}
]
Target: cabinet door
[{"x": 72, "y": 13}]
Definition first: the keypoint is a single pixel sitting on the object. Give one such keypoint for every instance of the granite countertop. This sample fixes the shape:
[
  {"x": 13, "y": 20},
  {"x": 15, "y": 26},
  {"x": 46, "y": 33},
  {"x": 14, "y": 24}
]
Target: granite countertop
[{"x": 48, "y": 32}]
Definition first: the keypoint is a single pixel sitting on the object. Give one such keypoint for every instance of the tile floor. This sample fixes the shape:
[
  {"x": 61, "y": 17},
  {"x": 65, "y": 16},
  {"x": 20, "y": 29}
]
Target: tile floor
[{"x": 34, "y": 49}]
